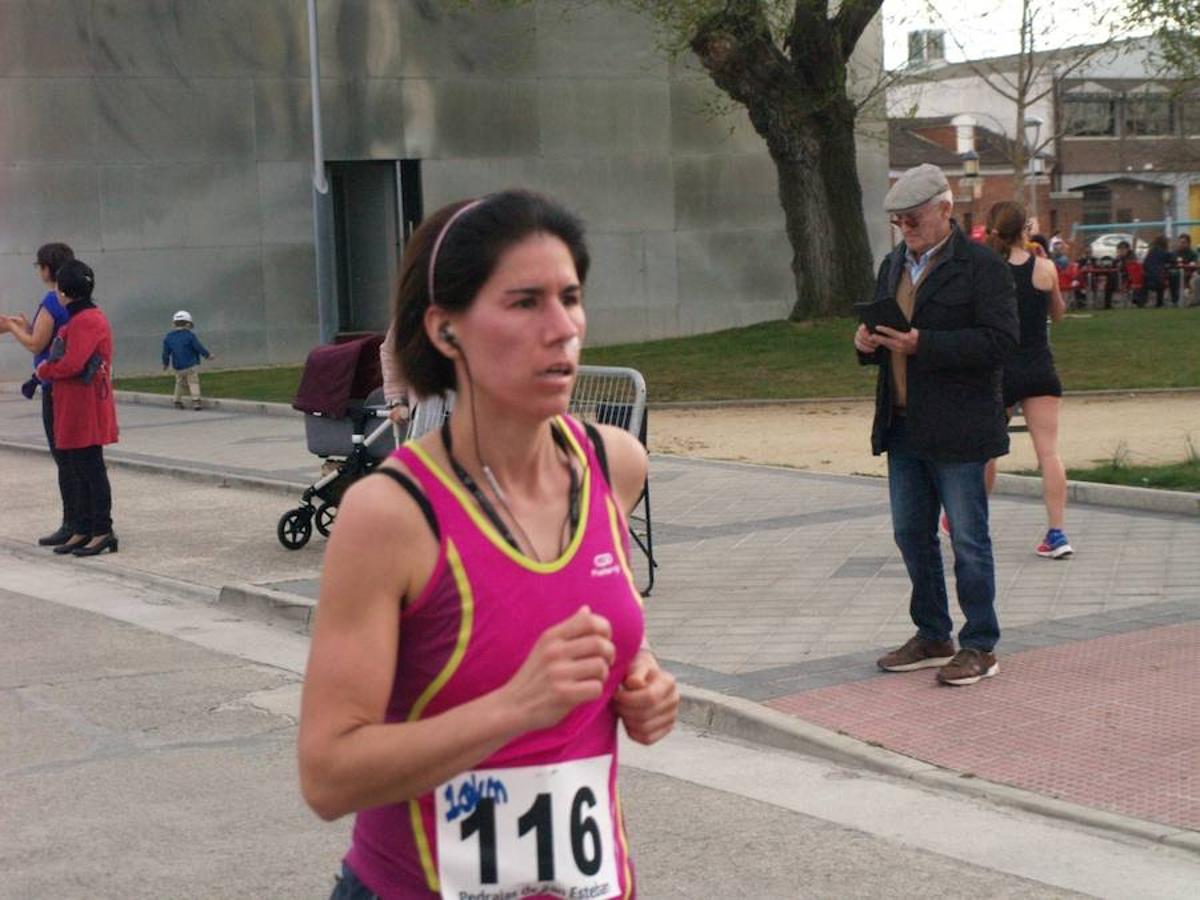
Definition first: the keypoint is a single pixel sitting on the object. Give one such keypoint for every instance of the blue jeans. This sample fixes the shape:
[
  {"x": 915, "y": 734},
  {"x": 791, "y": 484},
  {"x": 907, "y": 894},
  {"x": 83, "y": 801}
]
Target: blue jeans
[
  {"x": 349, "y": 887},
  {"x": 918, "y": 487}
]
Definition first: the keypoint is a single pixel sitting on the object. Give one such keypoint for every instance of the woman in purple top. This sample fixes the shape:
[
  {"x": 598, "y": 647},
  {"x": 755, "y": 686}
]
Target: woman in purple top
[
  {"x": 35, "y": 337},
  {"x": 479, "y": 639}
]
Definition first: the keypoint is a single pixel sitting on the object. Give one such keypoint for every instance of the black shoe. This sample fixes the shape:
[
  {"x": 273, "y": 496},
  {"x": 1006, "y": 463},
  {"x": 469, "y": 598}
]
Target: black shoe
[
  {"x": 59, "y": 537},
  {"x": 108, "y": 542},
  {"x": 71, "y": 545}
]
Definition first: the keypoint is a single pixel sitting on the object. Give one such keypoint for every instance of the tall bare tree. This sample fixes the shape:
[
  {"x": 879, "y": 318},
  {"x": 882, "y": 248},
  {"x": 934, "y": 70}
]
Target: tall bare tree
[
  {"x": 793, "y": 82},
  {"x": 1176, "y": 25},
  {"x": 787, "y": 62},
  {"x": 1031, "y": 75}
]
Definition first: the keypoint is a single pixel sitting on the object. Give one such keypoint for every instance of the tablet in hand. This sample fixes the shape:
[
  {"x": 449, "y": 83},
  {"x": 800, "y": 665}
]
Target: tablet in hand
[{"x": 884, "y": 312}]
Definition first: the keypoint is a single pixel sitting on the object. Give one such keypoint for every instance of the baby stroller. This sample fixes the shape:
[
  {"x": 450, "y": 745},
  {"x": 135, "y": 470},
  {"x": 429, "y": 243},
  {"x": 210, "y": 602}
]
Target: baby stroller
[{"x": 340, "y": 396}]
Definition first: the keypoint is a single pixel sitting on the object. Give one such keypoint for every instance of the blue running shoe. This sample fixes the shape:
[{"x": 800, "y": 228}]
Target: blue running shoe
[{"x": 1055, "y": 546}]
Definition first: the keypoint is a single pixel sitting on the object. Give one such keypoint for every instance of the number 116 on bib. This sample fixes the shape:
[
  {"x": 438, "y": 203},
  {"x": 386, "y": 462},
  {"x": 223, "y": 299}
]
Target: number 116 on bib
[{"x": 529, "y": 831}]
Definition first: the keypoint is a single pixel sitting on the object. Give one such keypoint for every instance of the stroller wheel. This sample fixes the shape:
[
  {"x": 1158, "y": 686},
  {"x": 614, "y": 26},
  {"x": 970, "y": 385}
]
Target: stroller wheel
[
  {"x": 295, "y": 528},
  {"x": 326, "y": 514}
]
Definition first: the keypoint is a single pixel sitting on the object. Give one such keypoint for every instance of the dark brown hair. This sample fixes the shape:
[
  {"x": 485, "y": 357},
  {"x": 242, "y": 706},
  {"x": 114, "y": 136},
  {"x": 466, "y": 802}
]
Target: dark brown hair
[
  {"x": 466, "y": 258},
  {"x": 1006, "y": 225},
  {"x": 54, "y": 255}
]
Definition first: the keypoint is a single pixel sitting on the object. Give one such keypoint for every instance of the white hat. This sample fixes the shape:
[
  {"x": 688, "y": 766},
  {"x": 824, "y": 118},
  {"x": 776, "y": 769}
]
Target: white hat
[
  {"x": 916, "y": 187},
  {"x": 182, "y": 316}
]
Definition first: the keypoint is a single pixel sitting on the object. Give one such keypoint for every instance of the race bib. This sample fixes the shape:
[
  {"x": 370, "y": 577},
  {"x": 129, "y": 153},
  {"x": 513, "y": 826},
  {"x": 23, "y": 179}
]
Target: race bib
[{"x": 504, "y": 834}]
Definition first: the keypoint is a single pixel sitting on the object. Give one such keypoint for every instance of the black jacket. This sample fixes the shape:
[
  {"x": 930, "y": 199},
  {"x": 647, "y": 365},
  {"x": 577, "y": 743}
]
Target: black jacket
[{"x": 966, "y": 316}]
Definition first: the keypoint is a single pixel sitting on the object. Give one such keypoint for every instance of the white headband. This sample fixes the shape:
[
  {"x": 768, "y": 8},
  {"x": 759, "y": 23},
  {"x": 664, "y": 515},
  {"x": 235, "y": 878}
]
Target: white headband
[{"x": 437, "y": 244}]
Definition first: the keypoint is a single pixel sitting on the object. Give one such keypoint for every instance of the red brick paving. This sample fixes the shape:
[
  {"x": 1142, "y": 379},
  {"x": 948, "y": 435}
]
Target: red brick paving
[{"x": 1111, "y": 723}]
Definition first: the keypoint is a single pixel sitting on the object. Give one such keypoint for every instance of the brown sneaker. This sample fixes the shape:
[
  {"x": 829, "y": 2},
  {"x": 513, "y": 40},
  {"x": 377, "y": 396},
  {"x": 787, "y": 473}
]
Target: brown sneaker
[
  {"x": 968, "y": 667},
  {"x": 918, "y": 653}
]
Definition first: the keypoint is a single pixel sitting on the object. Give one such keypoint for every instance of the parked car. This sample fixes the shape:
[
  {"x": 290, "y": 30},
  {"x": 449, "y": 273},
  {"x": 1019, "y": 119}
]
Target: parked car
[{"x": 1106, "y": 245}]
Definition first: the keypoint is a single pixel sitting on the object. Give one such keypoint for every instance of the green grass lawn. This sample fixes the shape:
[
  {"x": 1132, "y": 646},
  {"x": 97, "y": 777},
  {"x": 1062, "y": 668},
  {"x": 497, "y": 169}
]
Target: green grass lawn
[
  {"x": 274, "y": 385},
  {"x": 1126, "y": 348},
  {"x": 1184, "y": 476}
]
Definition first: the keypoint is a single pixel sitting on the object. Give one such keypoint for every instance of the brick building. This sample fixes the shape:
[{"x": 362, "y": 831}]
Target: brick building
[
  {"x": 943, "y": 141},
  {"x": 1120, "y": 142}
]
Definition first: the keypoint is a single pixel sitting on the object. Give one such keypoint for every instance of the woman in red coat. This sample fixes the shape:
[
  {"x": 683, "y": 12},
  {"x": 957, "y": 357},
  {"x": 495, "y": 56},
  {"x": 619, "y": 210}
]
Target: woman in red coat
[{"x": 85, "y": 416}]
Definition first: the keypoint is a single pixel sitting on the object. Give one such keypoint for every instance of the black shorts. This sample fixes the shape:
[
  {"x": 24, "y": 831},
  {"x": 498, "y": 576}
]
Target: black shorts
[{"x": 1030, "y": 376}]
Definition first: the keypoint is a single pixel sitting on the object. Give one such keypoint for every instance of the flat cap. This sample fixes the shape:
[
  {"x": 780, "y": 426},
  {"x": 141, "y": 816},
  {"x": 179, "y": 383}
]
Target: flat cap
[{"x": 918, "y": 185}]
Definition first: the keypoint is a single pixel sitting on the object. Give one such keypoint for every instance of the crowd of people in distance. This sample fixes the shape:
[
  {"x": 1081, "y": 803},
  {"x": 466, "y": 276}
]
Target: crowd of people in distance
[{"x": 1165, "y": 274}]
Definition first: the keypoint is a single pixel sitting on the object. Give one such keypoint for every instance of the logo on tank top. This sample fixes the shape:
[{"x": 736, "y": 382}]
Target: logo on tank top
[{"x": 604, "y": 564}]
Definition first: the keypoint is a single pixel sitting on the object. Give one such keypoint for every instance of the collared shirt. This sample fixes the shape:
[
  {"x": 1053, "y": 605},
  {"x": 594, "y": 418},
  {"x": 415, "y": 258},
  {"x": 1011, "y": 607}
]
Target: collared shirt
[{"x": 917, "y": 265}]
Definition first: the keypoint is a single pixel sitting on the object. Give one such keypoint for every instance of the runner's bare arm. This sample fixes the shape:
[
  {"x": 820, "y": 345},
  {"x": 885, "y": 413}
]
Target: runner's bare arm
[
  {"x": 1045, "y": 278},
  {"x": 350, "y": 759},
  {"x": 648, "y": 701},
  {"x": 627, "y": 465}
]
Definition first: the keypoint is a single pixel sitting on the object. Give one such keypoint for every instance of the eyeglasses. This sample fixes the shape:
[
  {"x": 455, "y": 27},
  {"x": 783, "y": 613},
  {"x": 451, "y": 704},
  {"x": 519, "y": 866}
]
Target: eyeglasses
[{"x": 907, "y": 220}]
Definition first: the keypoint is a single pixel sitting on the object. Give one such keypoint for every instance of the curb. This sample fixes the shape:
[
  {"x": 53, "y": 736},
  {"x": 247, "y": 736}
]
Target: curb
[
  {"x": 247, "y": 407},
  {"x": 186, "y": 473},
  {"x": 746, "y": 720},
  {"x": 1116, "y": 496},
  {"x": 269, "y": 606},
  {"x": 265, "y": 408},
  {"x": 731, "y": 717},
  {"x": 1182, "y": 503},
  {"x": 870, "y": 398},
  {"x": 103, "y": 566},
  {"x": 144, "y": 398}
]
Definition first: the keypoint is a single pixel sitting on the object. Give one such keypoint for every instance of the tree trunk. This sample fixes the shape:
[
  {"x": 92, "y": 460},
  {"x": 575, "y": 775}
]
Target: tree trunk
[
  {"x": 800, "y": 107},
  {"x": 823, "y": 214}
]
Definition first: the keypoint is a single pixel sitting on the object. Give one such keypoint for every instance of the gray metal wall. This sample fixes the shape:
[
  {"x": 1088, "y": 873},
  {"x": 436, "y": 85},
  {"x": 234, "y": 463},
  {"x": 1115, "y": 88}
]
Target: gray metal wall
[{"x": 169, "y": 142}]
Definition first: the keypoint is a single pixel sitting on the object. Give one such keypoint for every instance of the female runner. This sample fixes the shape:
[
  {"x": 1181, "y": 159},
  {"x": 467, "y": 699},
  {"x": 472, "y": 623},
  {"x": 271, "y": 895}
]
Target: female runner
[{"x": 478, "y": 635}]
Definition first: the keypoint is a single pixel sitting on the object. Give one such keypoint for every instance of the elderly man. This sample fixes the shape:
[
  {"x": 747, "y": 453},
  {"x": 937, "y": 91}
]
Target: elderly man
[{"x": 939, "y": 416}]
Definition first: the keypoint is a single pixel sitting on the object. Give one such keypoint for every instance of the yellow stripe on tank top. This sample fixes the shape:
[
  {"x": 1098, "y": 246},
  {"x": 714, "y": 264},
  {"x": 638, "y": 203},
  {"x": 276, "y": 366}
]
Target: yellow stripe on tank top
[
  {"x": 489, "y": 530},
  {"x": 614, "y": 521},
  {"x": 466, "y": 623},
  {"x": 624, "y": 849}
]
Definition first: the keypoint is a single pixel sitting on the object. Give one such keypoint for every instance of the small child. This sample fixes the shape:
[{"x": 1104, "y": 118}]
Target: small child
[{"x": 183, "y": 350}]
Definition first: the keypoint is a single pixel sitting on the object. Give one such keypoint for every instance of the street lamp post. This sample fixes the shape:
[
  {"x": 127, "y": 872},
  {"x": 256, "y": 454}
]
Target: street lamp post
[
  {"x": 1033, "y": 130},
  {"x": 1168, "y": 195},
  {"x": 1037, "y": 166},
  {"x": 970, "y": 177}
]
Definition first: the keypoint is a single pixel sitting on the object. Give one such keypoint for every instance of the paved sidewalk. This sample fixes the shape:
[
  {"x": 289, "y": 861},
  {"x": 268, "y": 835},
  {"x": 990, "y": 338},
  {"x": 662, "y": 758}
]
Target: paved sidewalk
[{"x": 781, "y": 588}]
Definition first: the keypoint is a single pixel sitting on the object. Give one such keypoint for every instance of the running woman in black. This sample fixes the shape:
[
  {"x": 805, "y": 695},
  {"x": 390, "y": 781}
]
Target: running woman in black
[{"x": 1029, "y": 374}]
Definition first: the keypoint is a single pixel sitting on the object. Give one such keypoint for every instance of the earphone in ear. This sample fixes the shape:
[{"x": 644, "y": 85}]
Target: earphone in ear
[{"x": 448, "y": 336}]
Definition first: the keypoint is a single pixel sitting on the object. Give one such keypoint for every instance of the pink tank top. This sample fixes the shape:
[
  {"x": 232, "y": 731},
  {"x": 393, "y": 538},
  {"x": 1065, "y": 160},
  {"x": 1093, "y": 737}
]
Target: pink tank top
[{"x": 541, "y": 816}]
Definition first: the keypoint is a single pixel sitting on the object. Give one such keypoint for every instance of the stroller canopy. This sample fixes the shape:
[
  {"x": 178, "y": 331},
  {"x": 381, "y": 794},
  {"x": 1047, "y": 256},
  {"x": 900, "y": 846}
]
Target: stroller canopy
[{"x": 335, "y": 374}]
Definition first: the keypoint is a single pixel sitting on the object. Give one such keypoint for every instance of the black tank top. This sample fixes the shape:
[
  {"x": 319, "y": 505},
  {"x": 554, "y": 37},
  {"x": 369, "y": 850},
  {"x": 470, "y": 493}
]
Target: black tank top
[{"x": 1032, "y": 306}]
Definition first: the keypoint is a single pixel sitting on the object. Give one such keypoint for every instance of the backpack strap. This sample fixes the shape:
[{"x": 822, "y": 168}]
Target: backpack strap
[{"x": 415, "y": 492}]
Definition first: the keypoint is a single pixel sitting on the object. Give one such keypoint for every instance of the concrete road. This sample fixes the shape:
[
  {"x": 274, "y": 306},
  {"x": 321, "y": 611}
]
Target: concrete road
[{"x": 147, "y": 750}]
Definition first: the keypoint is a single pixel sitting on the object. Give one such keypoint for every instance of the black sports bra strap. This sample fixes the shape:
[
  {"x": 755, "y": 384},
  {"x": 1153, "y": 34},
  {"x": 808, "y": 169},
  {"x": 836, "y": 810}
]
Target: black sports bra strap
[
  {"x": 593, "y": 434},
  {"x": 415, "y": 492}
]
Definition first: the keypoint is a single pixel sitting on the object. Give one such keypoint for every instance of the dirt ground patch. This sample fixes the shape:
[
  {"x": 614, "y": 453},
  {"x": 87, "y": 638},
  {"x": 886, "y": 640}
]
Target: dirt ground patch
[{"x": 834, "y": 437}]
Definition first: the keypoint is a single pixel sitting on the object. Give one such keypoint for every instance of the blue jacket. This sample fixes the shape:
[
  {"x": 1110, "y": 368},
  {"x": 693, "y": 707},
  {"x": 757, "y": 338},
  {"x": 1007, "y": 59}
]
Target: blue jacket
[{"x": 182, "y": 349}]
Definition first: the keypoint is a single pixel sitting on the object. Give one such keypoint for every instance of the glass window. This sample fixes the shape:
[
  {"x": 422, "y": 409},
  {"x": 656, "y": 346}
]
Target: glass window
[
  {"x": 1149, "y": 114},
  {"x": 1089, "y": 115},
  {"x": 1190, "y": 107},
  {"x": 1097, "y": 206},
  {"x": 937, "y": 45}
]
